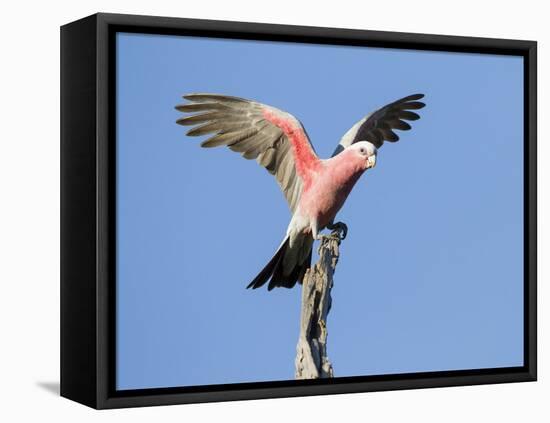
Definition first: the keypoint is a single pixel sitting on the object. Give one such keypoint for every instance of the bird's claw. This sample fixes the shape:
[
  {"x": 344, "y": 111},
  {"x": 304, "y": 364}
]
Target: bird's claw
[{"x": 340, "y": 228}]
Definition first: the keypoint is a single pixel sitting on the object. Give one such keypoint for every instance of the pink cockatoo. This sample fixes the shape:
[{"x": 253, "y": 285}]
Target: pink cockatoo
[{"x": 315, "y": 189}]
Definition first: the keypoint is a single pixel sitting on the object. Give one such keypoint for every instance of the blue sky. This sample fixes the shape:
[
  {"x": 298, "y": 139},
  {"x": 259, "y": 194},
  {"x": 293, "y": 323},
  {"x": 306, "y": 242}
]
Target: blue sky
[{"x": 431, "y": 274}]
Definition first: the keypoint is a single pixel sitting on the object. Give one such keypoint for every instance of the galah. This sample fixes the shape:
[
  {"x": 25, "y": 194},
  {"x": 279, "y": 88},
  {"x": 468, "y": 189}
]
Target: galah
[{"x": 315, "y": 189}]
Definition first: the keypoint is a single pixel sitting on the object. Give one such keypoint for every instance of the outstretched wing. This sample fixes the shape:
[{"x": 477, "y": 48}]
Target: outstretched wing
[
  {"x": 379, "y": 126},
  {"x": 274, "y": 138}
]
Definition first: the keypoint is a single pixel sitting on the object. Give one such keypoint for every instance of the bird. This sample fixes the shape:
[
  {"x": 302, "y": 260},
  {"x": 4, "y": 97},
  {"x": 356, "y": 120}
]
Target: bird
[{"x": 314, "y": 188}]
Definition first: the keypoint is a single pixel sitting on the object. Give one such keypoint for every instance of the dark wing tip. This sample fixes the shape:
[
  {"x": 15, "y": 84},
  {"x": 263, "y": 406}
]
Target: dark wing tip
[
  {"x": 190, "y": 96},
  {"x": 202, "y": 97},
  {"x": 413, "y": 105},
  {"x": 189, "y": 107},
  {"x": 408, "y": 115},
  {"x": 380, "y": 125},
  {"x": 195, "y": 97},
  {"x": 183, "y": 121},
  {"x": 415, "y": 97}
]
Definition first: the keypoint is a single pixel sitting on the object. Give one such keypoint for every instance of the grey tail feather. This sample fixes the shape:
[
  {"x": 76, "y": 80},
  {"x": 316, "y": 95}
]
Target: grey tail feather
[
  {"x": 269, "y": 268},
  {"x": 274, "y": 271},
  {"x": 288, "y": 281}
]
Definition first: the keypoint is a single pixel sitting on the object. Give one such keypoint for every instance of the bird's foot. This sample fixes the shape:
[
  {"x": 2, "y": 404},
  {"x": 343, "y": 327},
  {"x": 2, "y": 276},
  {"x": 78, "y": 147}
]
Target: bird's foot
[{"x": 339, "y": 228}]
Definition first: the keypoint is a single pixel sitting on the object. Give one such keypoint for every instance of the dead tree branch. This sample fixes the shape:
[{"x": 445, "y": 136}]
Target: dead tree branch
[{"x": 311, "y": 359}]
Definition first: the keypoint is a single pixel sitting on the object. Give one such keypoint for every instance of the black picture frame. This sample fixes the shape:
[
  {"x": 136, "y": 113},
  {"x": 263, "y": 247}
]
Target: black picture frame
[{"x": 88, "y": 210}]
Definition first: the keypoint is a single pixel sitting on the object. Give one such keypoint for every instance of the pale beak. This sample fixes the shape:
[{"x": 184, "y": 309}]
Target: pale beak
[{"x": 371, "y": 161}]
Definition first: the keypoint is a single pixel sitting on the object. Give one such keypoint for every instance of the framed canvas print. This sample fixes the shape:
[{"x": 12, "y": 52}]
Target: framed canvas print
[{"x": 257, "y": 211}]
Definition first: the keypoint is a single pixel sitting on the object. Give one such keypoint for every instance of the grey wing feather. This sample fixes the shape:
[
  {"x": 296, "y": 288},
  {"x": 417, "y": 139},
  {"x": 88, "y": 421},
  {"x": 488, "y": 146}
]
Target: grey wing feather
[
  {"x": 379, "y": 125},
  {"x": 240, "y": 125}
]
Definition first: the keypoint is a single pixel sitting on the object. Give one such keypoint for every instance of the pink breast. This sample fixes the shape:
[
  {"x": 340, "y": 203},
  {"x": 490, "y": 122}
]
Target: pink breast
[{"x": 330, "y": 189}]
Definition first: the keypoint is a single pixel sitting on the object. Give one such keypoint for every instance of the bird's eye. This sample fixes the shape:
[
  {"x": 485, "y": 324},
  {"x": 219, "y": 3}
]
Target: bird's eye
[{"x": 362, "y": 150}]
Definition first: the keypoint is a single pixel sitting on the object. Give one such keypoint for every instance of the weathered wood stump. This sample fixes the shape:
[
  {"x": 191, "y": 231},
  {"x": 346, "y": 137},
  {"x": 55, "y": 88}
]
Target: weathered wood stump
[{"x": 311, "y": 352}]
